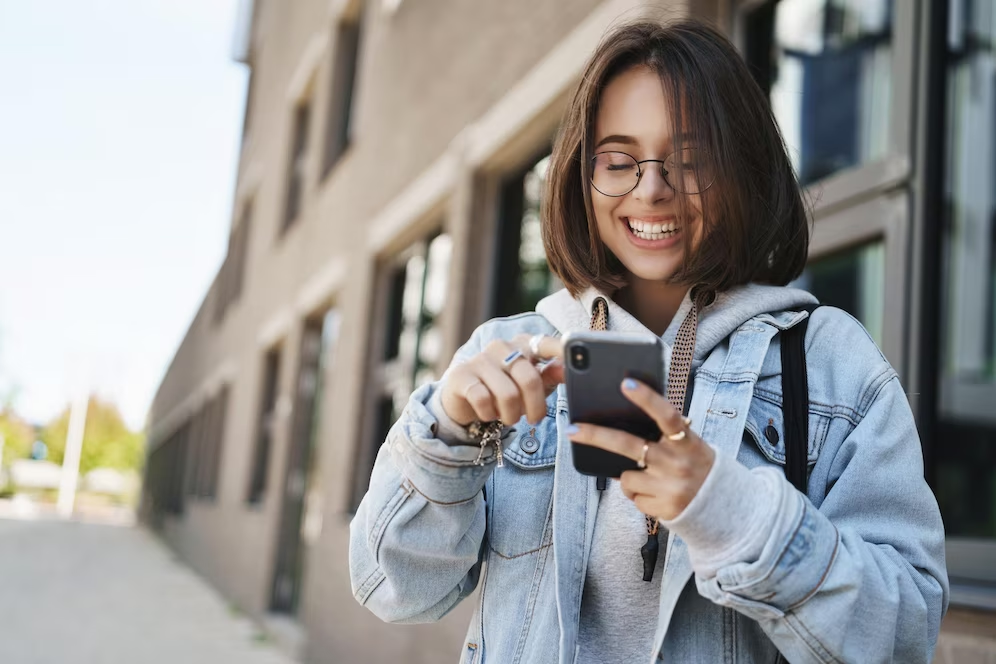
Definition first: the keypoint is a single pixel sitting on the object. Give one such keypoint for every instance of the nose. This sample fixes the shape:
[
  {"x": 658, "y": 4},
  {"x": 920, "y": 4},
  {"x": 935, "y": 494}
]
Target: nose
[{"x": 652, "y": 187}]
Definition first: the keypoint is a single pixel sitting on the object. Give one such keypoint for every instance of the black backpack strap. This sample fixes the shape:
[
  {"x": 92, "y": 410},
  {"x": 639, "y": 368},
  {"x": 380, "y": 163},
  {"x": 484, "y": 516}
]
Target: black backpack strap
[{"x": 795, "y": 401}]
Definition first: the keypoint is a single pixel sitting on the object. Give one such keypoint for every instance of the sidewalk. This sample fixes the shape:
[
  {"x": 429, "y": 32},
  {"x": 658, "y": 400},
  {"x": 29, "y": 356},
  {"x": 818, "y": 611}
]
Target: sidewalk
[{"x": 74, "y": 593}]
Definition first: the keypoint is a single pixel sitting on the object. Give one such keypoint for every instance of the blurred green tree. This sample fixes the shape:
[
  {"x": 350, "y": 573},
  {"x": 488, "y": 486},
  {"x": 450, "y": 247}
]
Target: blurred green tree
[
  {"x": 17, "y": 434},
  {"x": 107, "y": 440}
]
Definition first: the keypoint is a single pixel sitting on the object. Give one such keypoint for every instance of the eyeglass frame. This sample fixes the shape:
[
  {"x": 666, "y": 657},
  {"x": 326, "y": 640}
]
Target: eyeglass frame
[{"x": 640, "y": 171}]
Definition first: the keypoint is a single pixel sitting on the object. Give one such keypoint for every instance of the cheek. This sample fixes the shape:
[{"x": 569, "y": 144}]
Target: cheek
[{"x": 604, "y": 208}]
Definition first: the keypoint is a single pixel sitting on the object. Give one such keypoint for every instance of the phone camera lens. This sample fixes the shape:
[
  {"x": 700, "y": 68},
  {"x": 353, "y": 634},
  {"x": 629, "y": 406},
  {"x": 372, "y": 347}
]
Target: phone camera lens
[{"x": 579, "y": 357}]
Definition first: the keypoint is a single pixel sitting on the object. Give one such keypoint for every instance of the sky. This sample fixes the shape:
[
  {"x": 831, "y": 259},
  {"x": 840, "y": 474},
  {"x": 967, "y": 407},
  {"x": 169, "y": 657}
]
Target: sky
[{"x": 120, "y": 123}]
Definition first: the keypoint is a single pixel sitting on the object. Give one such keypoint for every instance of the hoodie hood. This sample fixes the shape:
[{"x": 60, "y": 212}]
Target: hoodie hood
[{"x": 728, "y": 311}]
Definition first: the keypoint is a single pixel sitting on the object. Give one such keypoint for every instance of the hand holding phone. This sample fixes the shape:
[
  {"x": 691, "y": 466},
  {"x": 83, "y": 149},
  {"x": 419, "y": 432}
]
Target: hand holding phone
[{"x": 596, "y": 363}]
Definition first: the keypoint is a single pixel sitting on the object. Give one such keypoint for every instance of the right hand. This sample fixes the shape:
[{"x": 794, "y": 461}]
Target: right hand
[{"x": 482, "y": 388}]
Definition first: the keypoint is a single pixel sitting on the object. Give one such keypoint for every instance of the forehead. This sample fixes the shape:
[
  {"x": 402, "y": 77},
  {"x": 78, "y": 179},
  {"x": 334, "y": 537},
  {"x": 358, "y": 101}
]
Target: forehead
[{"x": 634, "y": 104}]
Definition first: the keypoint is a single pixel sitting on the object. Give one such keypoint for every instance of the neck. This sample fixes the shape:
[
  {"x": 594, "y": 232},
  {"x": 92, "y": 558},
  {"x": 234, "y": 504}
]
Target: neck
[{"x": 653, "y": 303}]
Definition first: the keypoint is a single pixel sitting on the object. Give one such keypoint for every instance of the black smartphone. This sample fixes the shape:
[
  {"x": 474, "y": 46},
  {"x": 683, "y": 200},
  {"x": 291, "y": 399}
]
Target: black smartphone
[{"x": 596, "y": 363}]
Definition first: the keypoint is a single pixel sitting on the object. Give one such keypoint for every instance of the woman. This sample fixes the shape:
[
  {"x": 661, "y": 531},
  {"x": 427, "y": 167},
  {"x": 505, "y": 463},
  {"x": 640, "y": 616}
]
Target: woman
[{"x": 671, "y": 210}]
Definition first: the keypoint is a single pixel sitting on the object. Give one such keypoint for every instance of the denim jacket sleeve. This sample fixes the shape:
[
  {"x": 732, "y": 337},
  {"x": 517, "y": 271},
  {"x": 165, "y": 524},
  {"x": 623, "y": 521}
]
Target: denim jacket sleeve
[
  {"x": 863, "y": 577},
  {"x": 415, "y": 541}
]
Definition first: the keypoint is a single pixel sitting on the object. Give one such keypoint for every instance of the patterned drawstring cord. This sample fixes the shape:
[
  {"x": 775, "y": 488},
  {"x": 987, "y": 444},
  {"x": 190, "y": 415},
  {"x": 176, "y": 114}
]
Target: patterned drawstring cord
[{"x": 682, "y": 355}]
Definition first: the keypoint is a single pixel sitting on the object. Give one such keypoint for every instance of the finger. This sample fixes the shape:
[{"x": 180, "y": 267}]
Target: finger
[
  {"x": 667, "y": 417},
  {"x": 644, "y": 503},
  {"x": 611, "y": 440},
  {"x": 548, "y": 347},
  {"x": 505, "y": 392},
  {"x": 634, "y": 482},
  {"x": 530, "y": 383},
  {"x": 481, "y": 400},
  {"x": 552, "y": 374},
  {"x": 523, "y": 373}
]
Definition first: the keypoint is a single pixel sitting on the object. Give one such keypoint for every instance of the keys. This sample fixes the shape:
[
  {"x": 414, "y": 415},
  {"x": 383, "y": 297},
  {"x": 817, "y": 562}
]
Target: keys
[{"x": 489, "y": 433}]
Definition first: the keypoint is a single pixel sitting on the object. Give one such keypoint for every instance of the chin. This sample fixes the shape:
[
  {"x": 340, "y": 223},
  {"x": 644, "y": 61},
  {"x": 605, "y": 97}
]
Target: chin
[{"x": 651, "y": 271}]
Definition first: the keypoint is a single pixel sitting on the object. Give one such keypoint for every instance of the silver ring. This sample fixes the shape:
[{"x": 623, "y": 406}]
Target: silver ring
[
  {"x": 676, "y": 436},
  {"x": 641, "y": 463},
  {"x": 534, "y": 343},
  {"x": 512, "y": 357}
]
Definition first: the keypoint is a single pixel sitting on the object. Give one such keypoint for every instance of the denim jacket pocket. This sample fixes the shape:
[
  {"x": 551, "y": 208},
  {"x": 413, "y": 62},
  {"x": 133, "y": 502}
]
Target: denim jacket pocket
[
  {"x": 520, "y": 493},
  {"x": 766, "y": 428}
]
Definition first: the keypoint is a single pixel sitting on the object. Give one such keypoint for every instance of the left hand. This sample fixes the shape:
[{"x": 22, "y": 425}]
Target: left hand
[{"x": 676, "y": 469}]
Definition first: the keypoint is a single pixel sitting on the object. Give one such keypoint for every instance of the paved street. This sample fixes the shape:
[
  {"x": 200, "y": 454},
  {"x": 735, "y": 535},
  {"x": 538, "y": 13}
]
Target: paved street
[{"x": 73, "y": 593}]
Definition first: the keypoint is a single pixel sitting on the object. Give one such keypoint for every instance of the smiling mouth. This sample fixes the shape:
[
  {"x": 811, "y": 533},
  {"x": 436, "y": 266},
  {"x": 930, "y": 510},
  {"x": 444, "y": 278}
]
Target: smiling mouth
[{"x": 648, "y": 230}]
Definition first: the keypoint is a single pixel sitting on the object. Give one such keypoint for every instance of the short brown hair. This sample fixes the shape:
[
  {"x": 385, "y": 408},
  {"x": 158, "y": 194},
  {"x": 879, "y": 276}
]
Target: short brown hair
[{"x": 756, "y": 225}]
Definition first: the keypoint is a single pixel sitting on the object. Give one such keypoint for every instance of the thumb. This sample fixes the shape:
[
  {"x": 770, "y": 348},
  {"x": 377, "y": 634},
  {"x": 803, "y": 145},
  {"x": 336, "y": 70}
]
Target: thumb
[{"x": 552, "y": 374}]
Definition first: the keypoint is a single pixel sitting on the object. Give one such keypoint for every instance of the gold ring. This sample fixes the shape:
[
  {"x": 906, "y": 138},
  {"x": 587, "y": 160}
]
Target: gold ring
[
  {"x": 676, "y": 436},
  {"x": 642, "y": 461}
]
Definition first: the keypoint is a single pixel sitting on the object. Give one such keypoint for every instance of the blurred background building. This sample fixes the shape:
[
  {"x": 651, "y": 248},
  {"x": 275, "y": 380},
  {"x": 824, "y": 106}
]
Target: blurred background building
[{"x": 387, "y": 203}]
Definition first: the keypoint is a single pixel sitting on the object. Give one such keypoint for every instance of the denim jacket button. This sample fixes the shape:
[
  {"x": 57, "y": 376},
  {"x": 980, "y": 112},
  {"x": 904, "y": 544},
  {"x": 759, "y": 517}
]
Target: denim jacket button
[
  {"x": 771, "y": 434},
  {"x": 529, "y": 444}
]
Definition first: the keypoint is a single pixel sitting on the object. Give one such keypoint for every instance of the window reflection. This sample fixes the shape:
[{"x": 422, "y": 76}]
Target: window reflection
[
  {"x": 852, "y": 280},
  {"x": 965, "y": 449},
  {"x": 524, "y": 277},
  {"x": 827, "y": 65}
]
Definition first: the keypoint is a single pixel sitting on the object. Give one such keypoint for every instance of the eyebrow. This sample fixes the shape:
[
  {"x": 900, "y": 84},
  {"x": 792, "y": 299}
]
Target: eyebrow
[
  {"x": 629, "y": 140},
  {"x": 617, "y": 138}
]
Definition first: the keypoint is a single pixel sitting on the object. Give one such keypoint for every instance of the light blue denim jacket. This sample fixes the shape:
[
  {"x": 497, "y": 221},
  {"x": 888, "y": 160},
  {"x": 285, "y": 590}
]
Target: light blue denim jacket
[{"x": 851, "y": 572}]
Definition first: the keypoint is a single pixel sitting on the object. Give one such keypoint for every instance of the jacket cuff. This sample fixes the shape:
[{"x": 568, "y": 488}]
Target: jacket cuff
[
  {"x": 447, "y": 430},
  {"x": 441, "y": 472}
]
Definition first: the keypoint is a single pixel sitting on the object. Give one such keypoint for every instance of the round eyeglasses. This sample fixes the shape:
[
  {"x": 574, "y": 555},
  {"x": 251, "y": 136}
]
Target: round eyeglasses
[{"x": 687, "y": 171}]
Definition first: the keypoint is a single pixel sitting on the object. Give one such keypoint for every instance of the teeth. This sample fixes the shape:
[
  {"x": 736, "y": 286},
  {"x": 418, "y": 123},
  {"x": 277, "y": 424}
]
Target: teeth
[{"x": 647, "y": 231}]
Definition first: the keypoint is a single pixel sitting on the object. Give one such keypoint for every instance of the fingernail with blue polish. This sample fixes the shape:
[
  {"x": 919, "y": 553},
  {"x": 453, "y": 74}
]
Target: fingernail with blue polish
[
  {"x": 571, "y": 429},
  {"x": 629, "y": 384}
]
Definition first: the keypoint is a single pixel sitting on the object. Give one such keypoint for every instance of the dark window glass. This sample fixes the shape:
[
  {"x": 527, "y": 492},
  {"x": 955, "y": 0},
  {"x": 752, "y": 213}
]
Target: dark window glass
[
  {"x": 298, "y": 163},
  {"x": 266, "y": 427},
  {"x": 416, "y": 283},
  {"x": 852, "y": 280},
  {"x": 212, "y": 455},
  {"x": 338, "y": 131},
  {"x": 300, "y": 521},
  {"x": 228, "y": 285},
  {"x": 965, "y": 445},
  {"x": 524, "y": 278},
  {"x": 827, "y": 67}
]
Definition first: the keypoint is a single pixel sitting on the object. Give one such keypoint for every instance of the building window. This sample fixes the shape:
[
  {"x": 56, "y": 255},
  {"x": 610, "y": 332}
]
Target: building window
[
  {"x": 204, "y": 446},
  {"x": 297, "y": 165},
  {"x": 524, "y": 276},
  {"x": 230, "y": 276},
  {"x": 827, "y": 67},
  {"x": 965, "y": 450},
  {"x": 413, "y": 294},
  {"x": 853, "y": 280},
  {"x": 165, "y": 477},
  {"x": 345, "y": 59},
  {"x": 266, "y": 427},
  {"x": 301, "y": 518}
]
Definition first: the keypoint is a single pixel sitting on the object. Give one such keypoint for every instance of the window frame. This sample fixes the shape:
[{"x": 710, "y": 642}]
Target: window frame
[
  {"x": 883, "y": 218},
  {"x": 385, "y": 374}
]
